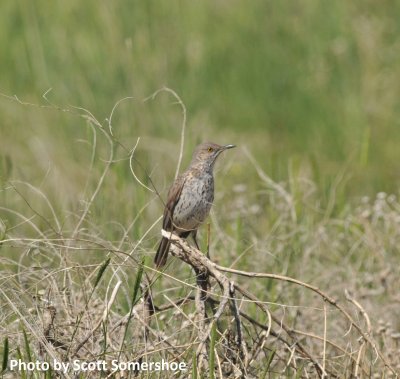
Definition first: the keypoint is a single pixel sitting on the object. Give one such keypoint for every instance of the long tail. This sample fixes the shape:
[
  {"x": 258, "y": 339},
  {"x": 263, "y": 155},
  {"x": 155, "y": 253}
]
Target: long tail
[{"x": 162, "y": 252}]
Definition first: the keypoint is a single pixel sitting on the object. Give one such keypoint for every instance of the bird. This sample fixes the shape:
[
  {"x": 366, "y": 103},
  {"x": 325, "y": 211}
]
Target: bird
[{"x": 190, "y": 198}]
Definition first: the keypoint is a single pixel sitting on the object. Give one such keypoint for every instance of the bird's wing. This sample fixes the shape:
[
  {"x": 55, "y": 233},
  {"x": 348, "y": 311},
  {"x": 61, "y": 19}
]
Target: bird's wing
[{"x": 174, "y": 195}]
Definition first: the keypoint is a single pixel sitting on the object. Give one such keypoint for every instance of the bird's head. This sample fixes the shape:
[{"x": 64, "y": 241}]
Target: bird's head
[{"x": 207, "y": 153}]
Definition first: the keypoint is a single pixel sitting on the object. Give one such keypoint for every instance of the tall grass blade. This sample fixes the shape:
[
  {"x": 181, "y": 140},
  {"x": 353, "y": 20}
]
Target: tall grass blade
[
  {"x": 136, "y": 287},
  {"x": 101, "y": 272},
  {"x": 5, "y": 355},
  {"x": 19, "y": 356},
  {"x": 212, "y": 350},
  {"x": 268, "y": 364},
  {"x": 137, "y": 284},
  {"x": 27, "y": 346},
  {"x": 194, "y": 365}
]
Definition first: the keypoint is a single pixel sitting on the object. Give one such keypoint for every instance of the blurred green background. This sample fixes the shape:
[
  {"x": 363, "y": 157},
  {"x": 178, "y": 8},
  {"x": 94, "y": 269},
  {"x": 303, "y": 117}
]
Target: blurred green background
[{"x": 309, "y": 86}]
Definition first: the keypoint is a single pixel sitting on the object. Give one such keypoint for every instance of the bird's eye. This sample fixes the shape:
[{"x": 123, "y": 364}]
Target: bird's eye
[{"x": 210, "y": 149}]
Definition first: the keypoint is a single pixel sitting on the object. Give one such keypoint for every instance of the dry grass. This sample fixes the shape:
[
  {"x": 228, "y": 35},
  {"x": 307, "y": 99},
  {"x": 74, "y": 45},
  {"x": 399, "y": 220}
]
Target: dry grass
[{"x": 326, "y": 303}]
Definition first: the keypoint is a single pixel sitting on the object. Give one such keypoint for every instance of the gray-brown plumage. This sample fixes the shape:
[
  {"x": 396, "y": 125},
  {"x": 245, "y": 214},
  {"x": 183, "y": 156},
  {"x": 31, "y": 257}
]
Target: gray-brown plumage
[{"x": 190, "y": 198}]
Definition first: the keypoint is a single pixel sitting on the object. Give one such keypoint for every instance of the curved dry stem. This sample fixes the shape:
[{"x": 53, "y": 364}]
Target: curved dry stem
[
  {"x": 361, "y": 351},
  {"x": 182, "y": 105},
  {"x": 116, "y": 105},
  {"x": 45, "y": 198},
  {"x": 99, "y": 184},
  {"x": 131, "y": 167}
]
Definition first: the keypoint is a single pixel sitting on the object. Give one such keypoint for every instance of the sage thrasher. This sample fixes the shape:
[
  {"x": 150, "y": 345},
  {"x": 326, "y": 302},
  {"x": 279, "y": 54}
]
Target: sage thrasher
[{"x": 190, "y": 198}]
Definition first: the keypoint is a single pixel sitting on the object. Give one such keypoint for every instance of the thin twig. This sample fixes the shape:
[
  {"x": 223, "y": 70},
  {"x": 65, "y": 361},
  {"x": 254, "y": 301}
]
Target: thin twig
[
  {"x": 369, "y": 330},
  {"x": 182, "y": 105}
]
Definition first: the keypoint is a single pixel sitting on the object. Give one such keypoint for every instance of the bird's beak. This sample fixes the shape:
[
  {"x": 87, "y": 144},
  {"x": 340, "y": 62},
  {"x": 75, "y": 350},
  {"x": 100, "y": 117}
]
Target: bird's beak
[{"x": 226, "y": 147}]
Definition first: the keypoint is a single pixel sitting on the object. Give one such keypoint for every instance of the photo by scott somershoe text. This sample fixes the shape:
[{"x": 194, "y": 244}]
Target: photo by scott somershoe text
[{"x": 99, "y": 365}]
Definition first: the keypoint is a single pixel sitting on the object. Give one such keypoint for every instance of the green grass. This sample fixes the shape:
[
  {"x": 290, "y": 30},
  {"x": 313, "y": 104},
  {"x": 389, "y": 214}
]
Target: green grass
[
  {"x": 312, "y": 83},
  {"x": 308, "y": 91}
]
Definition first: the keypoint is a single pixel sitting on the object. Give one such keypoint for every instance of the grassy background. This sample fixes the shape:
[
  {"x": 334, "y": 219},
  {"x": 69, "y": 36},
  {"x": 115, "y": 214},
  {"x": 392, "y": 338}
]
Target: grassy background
[
  {"x": 309, "y": 88},
  {"x": 303, "y": 83}
]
